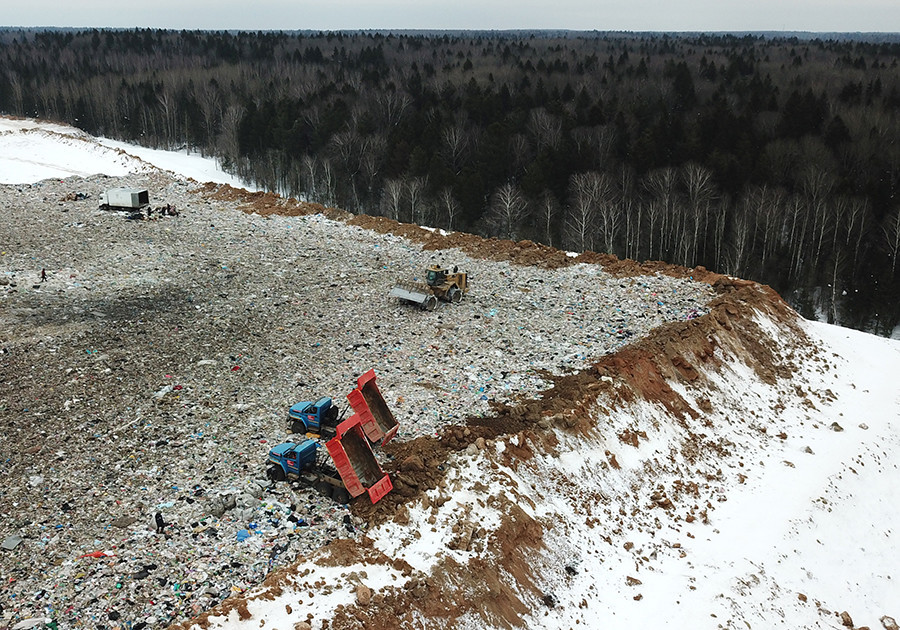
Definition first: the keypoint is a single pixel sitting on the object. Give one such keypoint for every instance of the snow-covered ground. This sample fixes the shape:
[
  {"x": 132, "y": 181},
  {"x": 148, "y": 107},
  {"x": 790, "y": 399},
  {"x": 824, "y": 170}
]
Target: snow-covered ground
[
  {"x": 33, "y": 150},
  {"x": 794, "y": 525}
]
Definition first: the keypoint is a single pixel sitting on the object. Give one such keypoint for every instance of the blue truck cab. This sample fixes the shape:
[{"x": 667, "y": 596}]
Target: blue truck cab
[
  {"x": 290, "y": 459},
  {"x": 311, "y": 416}
]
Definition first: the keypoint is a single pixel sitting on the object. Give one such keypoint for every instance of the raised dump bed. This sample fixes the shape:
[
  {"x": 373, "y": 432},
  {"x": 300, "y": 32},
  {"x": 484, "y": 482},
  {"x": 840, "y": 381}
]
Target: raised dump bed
[
  {"x": 355, "y": 461},
  {"x": 377, "y": 420}
]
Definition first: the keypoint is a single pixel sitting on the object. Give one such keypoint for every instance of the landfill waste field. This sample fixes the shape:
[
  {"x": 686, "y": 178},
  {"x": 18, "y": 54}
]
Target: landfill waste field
[{"x": 147, "y": 365}]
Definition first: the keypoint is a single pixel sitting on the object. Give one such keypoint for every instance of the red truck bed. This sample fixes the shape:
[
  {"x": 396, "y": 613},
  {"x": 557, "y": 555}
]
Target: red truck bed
[
  {"x": 355, "y": 461},
  {"x": 377, "y": 420}
]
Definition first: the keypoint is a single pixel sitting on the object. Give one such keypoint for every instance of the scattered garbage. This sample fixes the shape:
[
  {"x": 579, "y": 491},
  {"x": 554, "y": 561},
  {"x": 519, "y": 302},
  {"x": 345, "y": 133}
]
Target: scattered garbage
[{"x": 155, "y": 364}]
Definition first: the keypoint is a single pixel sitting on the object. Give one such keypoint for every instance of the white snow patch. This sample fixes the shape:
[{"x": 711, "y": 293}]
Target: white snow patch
[{"x": 32, "y": 150}]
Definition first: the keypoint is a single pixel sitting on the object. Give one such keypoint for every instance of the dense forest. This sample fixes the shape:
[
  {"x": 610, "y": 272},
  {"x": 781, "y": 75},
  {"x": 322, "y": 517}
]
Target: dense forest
[{"x": 768, "y": 157}]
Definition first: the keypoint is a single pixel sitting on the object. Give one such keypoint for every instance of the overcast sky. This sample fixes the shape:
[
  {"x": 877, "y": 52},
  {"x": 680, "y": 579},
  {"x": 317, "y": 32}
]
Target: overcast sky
[{"x": 627, "y": 15}]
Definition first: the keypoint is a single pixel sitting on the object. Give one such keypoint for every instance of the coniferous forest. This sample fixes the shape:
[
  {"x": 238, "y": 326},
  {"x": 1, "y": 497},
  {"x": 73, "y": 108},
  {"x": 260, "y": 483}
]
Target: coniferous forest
[{"x": 770, "y": 157}]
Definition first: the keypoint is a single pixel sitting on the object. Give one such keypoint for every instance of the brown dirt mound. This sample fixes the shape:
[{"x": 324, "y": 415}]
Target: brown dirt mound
[
  {"x": 675, "y": 351},
  {"x": 266, "y": 203},
  {"x": 523, "y": 252}
]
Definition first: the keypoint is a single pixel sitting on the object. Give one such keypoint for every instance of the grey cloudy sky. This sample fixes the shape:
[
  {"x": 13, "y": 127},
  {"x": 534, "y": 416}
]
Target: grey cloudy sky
[{"x": 628, "y": 15}]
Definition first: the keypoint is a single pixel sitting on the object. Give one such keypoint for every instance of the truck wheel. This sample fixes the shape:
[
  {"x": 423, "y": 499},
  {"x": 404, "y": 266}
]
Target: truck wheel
[
  {"x": 455, "y": 295},
  {"x": 430, "y": 303},
  {"x": 340, "y": 495},
  {"x": 297, "y": 426},
  {"x": 324, "y": 488},
  {"x": 275, "y": 473}
]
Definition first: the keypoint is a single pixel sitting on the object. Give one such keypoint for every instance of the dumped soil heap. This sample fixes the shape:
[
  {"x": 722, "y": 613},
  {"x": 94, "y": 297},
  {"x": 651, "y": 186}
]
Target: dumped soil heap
[
  {"x": 500, "y": 581},
  {"x": 154, "y": 366}
]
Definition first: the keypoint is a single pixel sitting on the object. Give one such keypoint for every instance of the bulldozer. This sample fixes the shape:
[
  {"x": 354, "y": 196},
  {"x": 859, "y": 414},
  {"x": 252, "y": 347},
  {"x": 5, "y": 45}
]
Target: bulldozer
[{"x": 440, "y": 284}]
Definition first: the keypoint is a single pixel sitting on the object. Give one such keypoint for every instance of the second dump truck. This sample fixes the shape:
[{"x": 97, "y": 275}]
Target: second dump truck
[
  {"x": 321, "y": 417},
  {"x": 355, "y": 470}
]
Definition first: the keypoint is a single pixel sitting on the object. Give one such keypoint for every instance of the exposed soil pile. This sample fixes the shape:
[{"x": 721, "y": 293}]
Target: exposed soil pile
[
  {"x": 674, "y": 351},
  {"x": 183, "y": 340},
  {"x": 519, "y": 252}
]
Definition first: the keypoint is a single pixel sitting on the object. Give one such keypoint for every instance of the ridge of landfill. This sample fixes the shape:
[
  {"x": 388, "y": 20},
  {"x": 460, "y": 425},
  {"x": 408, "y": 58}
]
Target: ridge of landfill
[{"x": 147, "y": 366}]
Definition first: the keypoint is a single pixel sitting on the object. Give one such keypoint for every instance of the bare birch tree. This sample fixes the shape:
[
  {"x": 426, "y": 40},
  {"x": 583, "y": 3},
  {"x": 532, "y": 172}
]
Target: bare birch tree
[
  {"x": 230, "y": 138},
  {"x": 456, "y": 145},
  {"x": 584, "y": 201},
  {"x": 545, "y": 128},
  {"x": 371, "y": 161},
  {"x": 346, "y": 147},
  {"x": 817, "y": 186},
  {"x": 891, "y": 231},
  {"x": 392, "y": 198},
  {"x": 741, "y": 236},
  {"x": 661, "y": 186},
  {"x": 631, "y": 209},
  {"x": 210, "y": 102},
  {"x": 449, "y": 206},
  {"x": 415, "y": 198},
  {"x": 507, "y": 208},
  {"x": 609, "y": 216},
  {"x": 700, "y": 189},
  {"x": 392, "y": 106},
  {"x": 548, "y": 209}
]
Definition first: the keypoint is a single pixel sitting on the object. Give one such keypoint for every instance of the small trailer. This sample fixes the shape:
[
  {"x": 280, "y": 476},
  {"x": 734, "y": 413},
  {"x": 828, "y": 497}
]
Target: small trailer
[{"x": 133, "y": 199}]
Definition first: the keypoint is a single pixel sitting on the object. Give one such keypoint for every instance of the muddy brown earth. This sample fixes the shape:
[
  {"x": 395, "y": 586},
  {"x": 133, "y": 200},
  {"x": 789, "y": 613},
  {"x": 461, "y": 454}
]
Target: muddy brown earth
[
  {"x": 678, "y": 351},
  {"x": 148, "y": 373}
]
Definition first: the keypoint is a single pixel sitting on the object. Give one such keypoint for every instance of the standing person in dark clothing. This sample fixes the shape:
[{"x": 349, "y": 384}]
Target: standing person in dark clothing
[{"x": 160, "y": 523}]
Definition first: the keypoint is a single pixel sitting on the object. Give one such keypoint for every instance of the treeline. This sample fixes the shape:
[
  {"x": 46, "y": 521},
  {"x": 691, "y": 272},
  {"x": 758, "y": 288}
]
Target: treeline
[{"x": 770, "y": 158}]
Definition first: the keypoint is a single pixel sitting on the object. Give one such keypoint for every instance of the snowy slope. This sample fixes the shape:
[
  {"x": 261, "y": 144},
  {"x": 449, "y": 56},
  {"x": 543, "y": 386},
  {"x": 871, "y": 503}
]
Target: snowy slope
[
  {"x": 34, "y": 150},
  {"x": 769, "y": 500},
  {"x": 727, "y": 499}
]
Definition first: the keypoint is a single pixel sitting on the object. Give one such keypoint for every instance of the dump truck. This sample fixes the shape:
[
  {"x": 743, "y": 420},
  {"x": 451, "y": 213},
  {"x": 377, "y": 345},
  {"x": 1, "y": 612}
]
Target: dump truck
[
  {"x": 134, "y": 199},
  {"x": 440, "y": 284},
  {"x": 321, "y": 417},
  {"x": 355, "y": 461},
  {"x": 355, "y": 470}
]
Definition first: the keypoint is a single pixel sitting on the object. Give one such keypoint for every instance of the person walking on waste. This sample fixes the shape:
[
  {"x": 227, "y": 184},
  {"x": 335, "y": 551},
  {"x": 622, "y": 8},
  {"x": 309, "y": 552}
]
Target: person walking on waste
[{"x": 160, "y": 523}]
